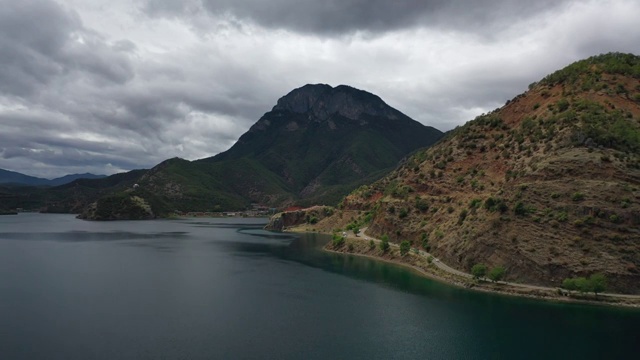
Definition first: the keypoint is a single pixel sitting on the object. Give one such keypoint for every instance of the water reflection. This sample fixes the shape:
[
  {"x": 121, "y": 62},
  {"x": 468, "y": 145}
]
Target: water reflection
[{"x": 81, "y": 236}]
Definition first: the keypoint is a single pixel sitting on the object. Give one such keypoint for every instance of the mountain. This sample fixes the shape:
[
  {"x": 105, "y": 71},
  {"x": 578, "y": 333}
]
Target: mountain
[
  {"x": 316, "y": 145},
  {"x": 72, "y": 177},
  {"x": 71, "y": 197},
  {"x": 548, "y": 186},
  {"x": 15, "y": 178}
]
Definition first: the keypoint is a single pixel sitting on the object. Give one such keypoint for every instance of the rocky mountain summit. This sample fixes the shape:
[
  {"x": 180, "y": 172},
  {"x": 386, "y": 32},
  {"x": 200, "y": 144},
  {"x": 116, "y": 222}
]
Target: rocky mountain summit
[{"x": 323, "y": 101}]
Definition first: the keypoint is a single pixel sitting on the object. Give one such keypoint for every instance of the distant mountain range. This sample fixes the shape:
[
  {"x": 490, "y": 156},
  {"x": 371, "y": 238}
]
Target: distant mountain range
[{"x": 16, "y": 178}]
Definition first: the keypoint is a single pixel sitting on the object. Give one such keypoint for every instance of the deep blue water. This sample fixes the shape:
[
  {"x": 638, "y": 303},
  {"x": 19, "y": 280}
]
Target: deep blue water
[{"x": 225, "y": 289}]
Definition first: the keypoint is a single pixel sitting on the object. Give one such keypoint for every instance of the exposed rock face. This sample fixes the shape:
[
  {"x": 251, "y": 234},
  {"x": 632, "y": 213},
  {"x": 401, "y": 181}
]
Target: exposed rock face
[
  {"x": 322, "y": 101},
  {"x": 282, "y": 221}
]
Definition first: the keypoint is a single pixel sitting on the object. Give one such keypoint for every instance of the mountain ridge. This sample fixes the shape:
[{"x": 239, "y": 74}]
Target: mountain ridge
[{"x": 16, "y": 178}]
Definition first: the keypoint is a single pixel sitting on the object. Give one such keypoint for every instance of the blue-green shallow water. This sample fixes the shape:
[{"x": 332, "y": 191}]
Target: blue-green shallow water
[{"x": 225, "y": 289}]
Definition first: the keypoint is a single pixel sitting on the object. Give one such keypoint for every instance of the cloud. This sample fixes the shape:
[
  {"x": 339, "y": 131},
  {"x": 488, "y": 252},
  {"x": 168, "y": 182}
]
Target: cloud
[
  {"x": 42, "y": 41},
  {"x": 112, "y": 85},
  {"x": 336, "y": 17}
]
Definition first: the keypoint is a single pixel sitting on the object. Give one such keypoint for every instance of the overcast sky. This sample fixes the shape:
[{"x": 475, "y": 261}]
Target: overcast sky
[{"x": 104, "y": 86}]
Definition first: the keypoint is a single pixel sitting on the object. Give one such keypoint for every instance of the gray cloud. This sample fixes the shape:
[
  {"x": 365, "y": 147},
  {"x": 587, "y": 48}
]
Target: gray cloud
[
  {"x": 334, "y": 17},
  {"x": 101, "y": 86},
  {"x": 41, "y": 41}
]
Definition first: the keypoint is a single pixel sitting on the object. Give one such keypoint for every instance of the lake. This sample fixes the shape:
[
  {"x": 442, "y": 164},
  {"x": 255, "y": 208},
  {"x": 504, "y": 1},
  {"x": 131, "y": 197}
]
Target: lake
[{"x": 226, "y": 289}]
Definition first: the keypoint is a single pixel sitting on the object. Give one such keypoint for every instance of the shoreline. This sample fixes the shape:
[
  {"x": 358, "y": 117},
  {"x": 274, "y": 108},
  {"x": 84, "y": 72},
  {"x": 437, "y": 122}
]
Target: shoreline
[{"x": 420, "y": 265}]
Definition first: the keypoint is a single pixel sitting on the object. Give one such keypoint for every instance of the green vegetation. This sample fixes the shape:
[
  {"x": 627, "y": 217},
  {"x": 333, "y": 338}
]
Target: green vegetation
[
  {"x": 479, "y": 271},
  {"x": 462, "y": 216},
  {"x": 496, "y": 204},
  {"x": 424, "y": 241},
  {"x": 405, "y": 246},
  {"x": 589, "y": 70},
  {"x": 337, "y": 240},
  {"x": 421, "y": 204},
  {"x": 577, "y": 196},
  {"x": 372, "y": 244},
  {"x": 384, "y": 243},
  {"x": 596, "y": 283},
  {"x": 497, "y": 273},
  {"x": 520, "y": 209}
]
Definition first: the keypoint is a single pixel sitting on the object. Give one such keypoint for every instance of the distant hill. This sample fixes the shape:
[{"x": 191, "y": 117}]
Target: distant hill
[
  {"x": 12, "y": 177},
  {"x": 547, "y": 186},
  {"x": 315, "y": 145},
  {"x": 71, "y": 197}
]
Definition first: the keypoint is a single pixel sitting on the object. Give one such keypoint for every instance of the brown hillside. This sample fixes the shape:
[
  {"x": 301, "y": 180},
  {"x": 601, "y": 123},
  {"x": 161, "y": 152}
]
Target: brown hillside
[{"x": 547, "y": 186}]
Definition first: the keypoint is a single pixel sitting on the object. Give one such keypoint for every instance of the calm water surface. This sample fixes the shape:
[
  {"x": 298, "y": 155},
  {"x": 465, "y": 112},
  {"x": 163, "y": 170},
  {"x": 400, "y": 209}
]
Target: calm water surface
[{"x": 225, "y": 289}]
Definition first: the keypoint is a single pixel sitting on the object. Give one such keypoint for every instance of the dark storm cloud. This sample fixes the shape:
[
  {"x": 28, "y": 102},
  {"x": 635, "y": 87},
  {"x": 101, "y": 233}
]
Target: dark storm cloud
[
  {"x": 330, "y": 17},
  {"x": 102, "y": 87},
  {"x": 40, "y": 40}
]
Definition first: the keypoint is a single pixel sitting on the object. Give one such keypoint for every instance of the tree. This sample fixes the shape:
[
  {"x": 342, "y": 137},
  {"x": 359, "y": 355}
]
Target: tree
[
  {"x": 583, "y": 285},
  {"x": 479, "y": 270},
  {"x": 338, "y": 240},
  {"x": 372, "y": 244},
  {"x": 384, "y": 244},
  {"x": 497, "y": 273},
  {"x": 598, "y": 283},
  {"x": 405, "y": 246},
  {"x": 425, "y": 241},
  {"x": 569, "y": 284}
]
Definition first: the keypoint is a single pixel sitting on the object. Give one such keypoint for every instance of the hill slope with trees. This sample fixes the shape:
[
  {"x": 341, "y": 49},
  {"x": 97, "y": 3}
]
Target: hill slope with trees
[{"x": 547, "y": 187}]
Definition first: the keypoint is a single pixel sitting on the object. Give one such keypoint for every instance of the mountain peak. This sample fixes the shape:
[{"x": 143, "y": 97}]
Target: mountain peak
[{"x": 323, "y": 101}]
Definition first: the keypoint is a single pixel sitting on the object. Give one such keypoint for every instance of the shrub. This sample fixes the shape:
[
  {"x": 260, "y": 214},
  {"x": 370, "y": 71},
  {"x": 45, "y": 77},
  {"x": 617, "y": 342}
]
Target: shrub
[
  {"x": 425, "y": 242},
  {"x": 421, "y": 204},
  {"x": 520, "y": 209},
  {"x": 562, "y": 105},
  {"x": 462, "y": 216},
  {"x": 497, "y": 273},
  {"x": 475, "y": 203},
  {"x": 405, "y": 246},
  {"x": 562, "y": 216},
  {"x": 372, "y": 244},
  {"x": 479, "y": 270},
  {"x": 384, "y": 243},
  {"x": 338, "y": 240},
  {"x": 577, "y": 196}
]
